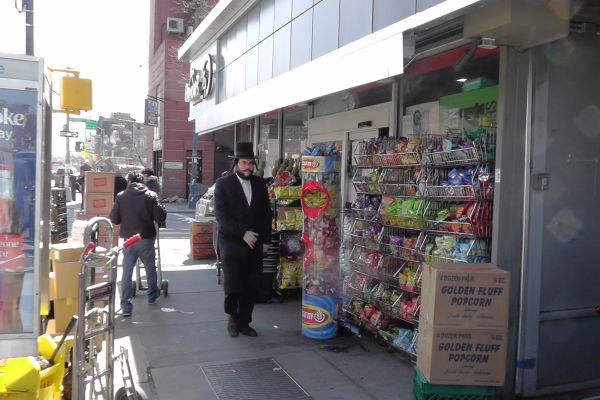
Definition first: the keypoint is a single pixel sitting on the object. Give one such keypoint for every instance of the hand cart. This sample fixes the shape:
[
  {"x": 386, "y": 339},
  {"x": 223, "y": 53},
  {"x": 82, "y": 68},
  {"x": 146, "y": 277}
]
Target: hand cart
[
  {"x": 96, "y": 320},
  {"x": 139, "y": 284}
]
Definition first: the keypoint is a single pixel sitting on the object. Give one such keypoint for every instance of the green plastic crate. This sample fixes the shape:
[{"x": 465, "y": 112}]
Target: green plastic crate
[{"x": 423, "y": 390}]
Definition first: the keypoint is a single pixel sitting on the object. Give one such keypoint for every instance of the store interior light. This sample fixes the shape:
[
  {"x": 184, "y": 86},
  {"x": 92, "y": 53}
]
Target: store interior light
[{"x": 461, "y": 80}]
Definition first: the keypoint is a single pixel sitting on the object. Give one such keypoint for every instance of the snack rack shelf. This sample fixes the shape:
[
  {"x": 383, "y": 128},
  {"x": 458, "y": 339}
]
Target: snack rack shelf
[
  {"x": 459, "y": 147},
  {"x": 400, "y": 182},
  {"x": 288, "y": 276},
  {"x": 435, "y": 197},
  {"x": 472, "y": 219},
  {"x": 475, "y": 183}
]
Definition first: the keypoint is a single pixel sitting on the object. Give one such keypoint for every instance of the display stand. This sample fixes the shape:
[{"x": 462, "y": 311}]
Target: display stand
[
  {"x": 320, "y": 206},
  {"x": 419, "y": 199},
  {"x": 288, "y": 231}
]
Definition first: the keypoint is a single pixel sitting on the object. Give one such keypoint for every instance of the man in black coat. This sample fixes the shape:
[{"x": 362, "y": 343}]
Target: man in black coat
[
  {"x": 244, "y": 218},
  {"x": 136, "y": 209}
]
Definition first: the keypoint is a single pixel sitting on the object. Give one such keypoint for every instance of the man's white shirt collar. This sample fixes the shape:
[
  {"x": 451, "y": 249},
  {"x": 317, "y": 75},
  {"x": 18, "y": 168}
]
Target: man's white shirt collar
[{"x": 247, "y": 187}]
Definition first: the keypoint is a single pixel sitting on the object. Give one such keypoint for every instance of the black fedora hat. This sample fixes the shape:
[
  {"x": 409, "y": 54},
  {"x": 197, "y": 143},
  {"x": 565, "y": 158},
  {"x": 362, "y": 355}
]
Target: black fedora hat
[{"x": 244, "y": 150}]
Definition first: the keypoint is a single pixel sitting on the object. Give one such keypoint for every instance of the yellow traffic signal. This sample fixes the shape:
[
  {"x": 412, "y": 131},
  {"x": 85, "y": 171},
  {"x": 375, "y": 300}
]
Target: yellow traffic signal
[{"x": 76, "y": 93}]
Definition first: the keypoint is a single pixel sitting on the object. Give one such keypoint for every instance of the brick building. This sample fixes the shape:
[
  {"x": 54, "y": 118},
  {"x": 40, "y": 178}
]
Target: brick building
[{"x": 170, "y": 143}]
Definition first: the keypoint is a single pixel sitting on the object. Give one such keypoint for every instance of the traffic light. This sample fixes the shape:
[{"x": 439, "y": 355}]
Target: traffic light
[{"x": 79, "y": 146}]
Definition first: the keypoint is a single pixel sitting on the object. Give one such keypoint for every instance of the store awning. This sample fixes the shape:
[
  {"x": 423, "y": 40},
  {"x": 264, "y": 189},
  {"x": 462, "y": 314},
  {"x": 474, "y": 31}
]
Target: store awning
[{"x": 372, "y": 58}]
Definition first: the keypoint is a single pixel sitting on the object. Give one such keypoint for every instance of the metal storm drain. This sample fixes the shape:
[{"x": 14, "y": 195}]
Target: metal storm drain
[{"x": 257, "y": 379}]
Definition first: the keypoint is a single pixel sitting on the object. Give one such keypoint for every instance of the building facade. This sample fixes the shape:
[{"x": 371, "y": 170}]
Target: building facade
[
  {"x": 290, "y": 73},
  {"x": 170, "y": 143}
]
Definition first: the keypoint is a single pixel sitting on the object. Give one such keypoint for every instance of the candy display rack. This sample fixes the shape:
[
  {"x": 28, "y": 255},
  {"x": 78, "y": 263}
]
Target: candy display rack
[
  {"x": 455, "y": 183},
  {"x": 459, "y": 147},
  {"x": 450, "y": 248},
  {"x": 287, "y": 230},
  {"x": 395, "y": 182},
  {"x": 321, "y": 209},
  {"x": 401, "y": 243},
  {"x": 471, "y": 219}
]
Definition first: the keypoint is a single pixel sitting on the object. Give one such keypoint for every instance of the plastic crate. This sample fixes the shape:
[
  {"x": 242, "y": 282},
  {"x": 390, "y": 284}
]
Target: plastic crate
[{"x": 423, "y": 390}]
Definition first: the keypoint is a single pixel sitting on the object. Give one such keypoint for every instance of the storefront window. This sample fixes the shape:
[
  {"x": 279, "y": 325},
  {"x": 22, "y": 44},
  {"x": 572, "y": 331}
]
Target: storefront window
[
  {"x": 356, "y": 19},
  {"x": 265, "y": 60},
  {"x": 283, "y": 11},
  {"x": 386, "y": 12},
  {"x": 281, "y": 50},
  {"x": 267, "y": 18},
  {"x": 268, "y": 142},
  {"x": 295, "y": 131},
  {"x": 325, "y": 27},
  {"x": 446, "y": 99},
  {"x": 301, "y": 39},
  {"x": 244, "y": 132}
]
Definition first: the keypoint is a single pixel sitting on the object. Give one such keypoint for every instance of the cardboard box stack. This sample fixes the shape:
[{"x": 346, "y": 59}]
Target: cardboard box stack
[
  {"x": 201, "y": 240},
  {"x": 97, "y": 202},
  {"x": 463, "y": 324},
  {"x": 64, "y": 283}
]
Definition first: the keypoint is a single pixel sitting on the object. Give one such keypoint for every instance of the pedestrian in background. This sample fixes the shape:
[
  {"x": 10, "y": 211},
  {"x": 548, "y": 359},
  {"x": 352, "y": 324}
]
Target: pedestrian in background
[
  {"x": 81, "y": 180},
  {"x": 136, "y": 209},
  {"x": 120, "y": 183},
  {"x": 244, "y": 216},
  {"x": 151, "y": 180}
]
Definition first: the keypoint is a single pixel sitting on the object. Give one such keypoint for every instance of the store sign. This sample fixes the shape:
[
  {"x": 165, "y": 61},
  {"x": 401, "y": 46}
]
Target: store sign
[
  {"x": 200, "y": 84},
  {"x": 173, "y": 165},
  {"x": 151, "y": 112},
  {"x": 314, "y": 316}
]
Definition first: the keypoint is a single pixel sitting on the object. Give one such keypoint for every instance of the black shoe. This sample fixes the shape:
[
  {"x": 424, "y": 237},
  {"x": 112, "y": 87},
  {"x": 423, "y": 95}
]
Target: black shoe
[
  {"x": 233, "y": 330},
  {"x": 126, "y": 314},
  {"x": 248, "y": 331},
  {"x": 233, "y": 327}
]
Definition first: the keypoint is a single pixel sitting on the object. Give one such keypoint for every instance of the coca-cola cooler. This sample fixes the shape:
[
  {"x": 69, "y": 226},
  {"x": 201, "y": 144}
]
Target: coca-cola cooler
[{"x": 24, "y": 205}]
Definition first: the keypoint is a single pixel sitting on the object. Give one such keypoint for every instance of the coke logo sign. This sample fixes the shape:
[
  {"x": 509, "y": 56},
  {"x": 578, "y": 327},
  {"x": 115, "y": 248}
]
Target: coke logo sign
[
  {"x": 315, "y": 317},
  {"x": 310, "y": 164}
]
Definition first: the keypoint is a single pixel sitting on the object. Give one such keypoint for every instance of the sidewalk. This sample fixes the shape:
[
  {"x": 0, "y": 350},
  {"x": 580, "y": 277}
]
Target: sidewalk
[
  {"x": 174, "y": 354},
  {"x": 179, "y": 208}
]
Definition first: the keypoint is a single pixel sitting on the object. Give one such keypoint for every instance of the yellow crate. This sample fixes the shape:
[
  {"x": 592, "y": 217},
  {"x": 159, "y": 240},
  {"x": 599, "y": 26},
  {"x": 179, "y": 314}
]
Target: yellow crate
[{"x": 21, "y": 378}]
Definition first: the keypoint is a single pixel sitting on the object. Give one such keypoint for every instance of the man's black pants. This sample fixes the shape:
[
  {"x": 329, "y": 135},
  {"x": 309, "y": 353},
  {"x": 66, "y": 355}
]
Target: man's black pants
[{"x": 240, "y": 303}]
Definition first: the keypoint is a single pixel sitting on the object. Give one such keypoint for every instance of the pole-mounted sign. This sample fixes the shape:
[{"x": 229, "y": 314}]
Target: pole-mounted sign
[{"x": 200, "y": 84}]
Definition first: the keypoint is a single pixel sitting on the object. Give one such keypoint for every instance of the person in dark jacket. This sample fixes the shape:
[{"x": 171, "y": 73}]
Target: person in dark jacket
[
  {"x": 244, "y": 216},
  {"x": 151, "y": 181},
  {"x": 120, "y": 183},
  {"x": 136, "y": 209}
]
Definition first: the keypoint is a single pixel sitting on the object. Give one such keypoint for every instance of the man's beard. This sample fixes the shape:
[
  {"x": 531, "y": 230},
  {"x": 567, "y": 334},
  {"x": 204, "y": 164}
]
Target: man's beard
[{"x": 242, "y": 176}]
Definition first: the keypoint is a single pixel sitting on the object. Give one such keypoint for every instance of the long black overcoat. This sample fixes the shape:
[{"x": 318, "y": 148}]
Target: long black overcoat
[{"x": 242, "y": 266}]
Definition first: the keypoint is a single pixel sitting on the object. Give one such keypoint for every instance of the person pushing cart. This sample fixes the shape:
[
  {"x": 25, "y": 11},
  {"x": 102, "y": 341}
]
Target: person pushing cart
[{"x": 137, "y": 210}]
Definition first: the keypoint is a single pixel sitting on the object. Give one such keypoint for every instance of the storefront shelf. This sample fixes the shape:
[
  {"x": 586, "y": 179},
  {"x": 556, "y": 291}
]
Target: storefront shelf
[
  {"x": 466, "y": 219},
  {"x": 449, "y": 248}
]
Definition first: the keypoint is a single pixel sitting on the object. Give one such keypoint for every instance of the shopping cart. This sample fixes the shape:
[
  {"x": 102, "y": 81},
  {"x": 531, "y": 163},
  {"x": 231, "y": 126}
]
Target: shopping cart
[
  {"x": 139, "y": 284},
  {"x": 96, "y": 322}
]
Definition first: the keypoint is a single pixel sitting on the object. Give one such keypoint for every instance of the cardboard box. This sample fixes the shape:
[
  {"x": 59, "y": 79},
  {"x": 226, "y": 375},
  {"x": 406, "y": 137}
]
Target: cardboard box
[
  {"x": 200, "y": 227},
  {"x": 201, "y": 251},
  {"x": 201, "y": 238},
  {"x": 51, "y": 286},
  {"x": 66, "y": 279},
  {"x": 99, "y": 182},
  {"x": 85, "y": 216},
  {"x": 64, "y": 309},
  {"x": 66, "y": 252},
  {"x": 98, "y": 203},
  {"x": 464, "y": 296},
  {"x": 462, "y": 357}
]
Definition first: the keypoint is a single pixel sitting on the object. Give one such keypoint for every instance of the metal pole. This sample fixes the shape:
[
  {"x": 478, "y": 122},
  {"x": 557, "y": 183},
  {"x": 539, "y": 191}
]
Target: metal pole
[
  {"x": 68, "y": 153},
  {"x": 28, "y": 8}
]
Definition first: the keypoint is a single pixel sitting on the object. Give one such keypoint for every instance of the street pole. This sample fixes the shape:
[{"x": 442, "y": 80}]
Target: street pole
[
  {"x": 68, "y": 153},
  {"x": 28, "y": 8}
]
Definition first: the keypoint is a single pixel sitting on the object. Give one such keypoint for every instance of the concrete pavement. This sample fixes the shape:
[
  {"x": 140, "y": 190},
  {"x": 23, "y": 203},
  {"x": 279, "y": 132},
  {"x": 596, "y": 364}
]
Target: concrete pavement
[{"x": 170, "y": 349}]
